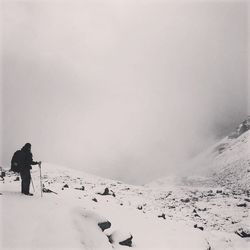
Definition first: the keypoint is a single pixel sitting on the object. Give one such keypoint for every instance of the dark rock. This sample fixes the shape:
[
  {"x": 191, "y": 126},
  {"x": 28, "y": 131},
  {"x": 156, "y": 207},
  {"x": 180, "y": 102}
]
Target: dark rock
[
  {"x": 247, "y": 199},
  {"x": 208, "y": 246},
  {"x": 238, "y": 192},
  {"x": 46, "y": 190},
  {"x": 94, "y": 199},
  {"x": 127, "y": 242},
  {"x": 104, "y": 225},
  {"x": 243, "y": 233},
  {"x": 210, "y": 194},
  {"x": 122, "y": 239},
  {"x": 219, "y": 191},
  {"x": 110, "y": 239},
  {"x": 162, "y": 216},
  {"x": 2, "y": 173},
  {"x": 139, "y": 207},
  {"x": 199, "y": 227},
  {"x": 66, "y": 186},
  {"x": 186, "y": 200},
  {"x": 242, "y": 205},
  {"x": 17, "y": 178},
  {"x": 107, "y": 192},
  {"x": 81, "y": 188},
  {"x": 196, "y": 215},
  {"x": 171, "y": 207},
  {"x": 202, "y": 209}
]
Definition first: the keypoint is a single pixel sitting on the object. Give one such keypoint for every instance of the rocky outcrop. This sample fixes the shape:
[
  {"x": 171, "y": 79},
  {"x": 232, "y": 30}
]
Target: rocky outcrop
[
  {"x": 121, "y": 238},
  {"x": 127, "y": 242},
  {"x": 107, "y": 192},
  {"x": 104, "y": 225},
  {"x": 242, "y": 128},
  {"x": 243, "y": 232}
]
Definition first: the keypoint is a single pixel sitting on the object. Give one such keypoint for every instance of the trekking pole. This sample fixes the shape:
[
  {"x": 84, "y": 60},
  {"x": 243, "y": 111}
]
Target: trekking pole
[
  {"x": 32, "y": 184},
  {"x": 41, "y": 179}
]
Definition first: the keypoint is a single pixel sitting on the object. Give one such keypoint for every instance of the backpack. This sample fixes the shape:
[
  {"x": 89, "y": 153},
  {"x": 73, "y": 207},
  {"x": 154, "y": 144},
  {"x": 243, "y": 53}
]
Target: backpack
[{"x": 16, "y": 161}]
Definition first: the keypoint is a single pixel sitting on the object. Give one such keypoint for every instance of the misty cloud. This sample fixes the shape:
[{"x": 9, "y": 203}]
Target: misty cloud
[{"x": 125, "y": 89}]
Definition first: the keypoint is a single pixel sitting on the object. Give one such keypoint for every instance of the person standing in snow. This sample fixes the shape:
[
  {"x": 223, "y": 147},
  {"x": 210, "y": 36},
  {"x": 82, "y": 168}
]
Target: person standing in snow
[{"x": 26, "y": 160}]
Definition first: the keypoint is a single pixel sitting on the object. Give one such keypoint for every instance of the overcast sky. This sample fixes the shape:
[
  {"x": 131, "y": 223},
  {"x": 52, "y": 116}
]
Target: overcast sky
[{"x": 128, "y": 89}]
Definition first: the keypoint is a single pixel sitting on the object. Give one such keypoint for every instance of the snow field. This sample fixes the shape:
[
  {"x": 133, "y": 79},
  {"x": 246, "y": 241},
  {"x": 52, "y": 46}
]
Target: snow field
[{"x": 69, "y": 220}]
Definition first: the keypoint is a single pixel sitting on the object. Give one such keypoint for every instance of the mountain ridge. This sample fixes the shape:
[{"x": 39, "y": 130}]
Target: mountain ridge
[{"x": 225, "y": 164}]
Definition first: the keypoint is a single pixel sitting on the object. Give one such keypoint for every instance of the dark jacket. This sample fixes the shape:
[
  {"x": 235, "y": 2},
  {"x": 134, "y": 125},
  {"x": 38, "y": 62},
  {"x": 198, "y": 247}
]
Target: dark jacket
[{"x": 26, "y": 160}]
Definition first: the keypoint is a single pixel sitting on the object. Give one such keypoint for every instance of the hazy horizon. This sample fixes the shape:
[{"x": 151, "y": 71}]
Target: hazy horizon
[{"x": 124, "y": 89}]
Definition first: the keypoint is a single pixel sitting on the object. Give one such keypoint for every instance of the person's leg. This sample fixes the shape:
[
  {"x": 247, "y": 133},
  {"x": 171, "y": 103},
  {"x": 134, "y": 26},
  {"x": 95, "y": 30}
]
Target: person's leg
[
  {"x": 28, "y": 182},
  {"x": 22, "y": 182}
]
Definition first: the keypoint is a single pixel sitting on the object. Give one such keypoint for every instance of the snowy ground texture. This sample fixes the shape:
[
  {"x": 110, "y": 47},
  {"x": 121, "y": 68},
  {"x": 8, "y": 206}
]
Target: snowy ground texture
[
  {"x": 205, "y": 212},
  {"x": 156, "y": 217}
]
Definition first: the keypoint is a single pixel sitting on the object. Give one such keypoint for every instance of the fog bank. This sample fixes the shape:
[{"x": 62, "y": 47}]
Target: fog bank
[{"x": 124, "y": 89}]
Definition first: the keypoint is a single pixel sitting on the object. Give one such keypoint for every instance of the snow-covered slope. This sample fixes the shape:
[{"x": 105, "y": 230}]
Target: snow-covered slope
[
  {"x": 156, "y": 218},
  {"x": 226, "y": 164}
]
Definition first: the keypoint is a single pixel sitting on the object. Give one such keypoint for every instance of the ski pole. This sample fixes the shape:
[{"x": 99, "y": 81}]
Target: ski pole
[
  {"x": 41, "y": 179},
  {"x": 32, "y": 184}
]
